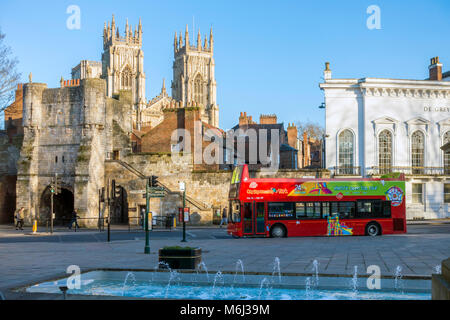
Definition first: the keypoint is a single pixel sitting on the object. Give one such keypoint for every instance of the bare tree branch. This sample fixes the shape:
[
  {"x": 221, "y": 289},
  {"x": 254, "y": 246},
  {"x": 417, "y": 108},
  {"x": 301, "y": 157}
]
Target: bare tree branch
[
  {"x": 313, "y": 130},
  {"x": 9, "y": 76}
]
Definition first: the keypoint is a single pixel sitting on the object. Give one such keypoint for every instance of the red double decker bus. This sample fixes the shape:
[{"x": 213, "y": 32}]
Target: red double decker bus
[{"x": 269, "y": 207}]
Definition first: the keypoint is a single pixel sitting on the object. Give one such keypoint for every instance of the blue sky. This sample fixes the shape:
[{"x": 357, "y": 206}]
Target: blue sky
[{"x": 269, "y": 55}]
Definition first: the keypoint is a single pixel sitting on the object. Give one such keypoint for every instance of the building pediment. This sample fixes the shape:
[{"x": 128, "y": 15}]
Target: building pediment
[
  {"x": 418, "y": 121},
  {"x": 385, "y": 120},
  {"x": 444, "y": 122}
]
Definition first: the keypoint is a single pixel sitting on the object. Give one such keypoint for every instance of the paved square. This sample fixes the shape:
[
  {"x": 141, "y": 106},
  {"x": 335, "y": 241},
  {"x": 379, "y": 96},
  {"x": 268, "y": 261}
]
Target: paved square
[{"x": 25, "y": 259}]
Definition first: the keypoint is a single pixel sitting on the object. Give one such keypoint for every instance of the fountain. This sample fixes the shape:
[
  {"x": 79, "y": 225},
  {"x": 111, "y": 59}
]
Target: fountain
[
  {"x": 173, "y": 275},
  {"x": 308, "y": 288},
  {"x": 241, "y": 264},
  {"x": 264, "y": 281},
  {"x": 218, "y": 276},
  {"x": 354, "y": 282},
  {"x": 276, "y": 269},
  {"x": 170, "y": 284},
  {"x": 202, "y": 266},
  {"x": 316, "y": 271},
  {"x": 398, "y": 277},
  {"x": 129, "y": 274}
]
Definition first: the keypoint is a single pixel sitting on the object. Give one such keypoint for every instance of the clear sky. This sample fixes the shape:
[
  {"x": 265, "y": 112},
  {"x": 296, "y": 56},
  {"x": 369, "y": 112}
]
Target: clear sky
[{"x": 269, "y": 55}]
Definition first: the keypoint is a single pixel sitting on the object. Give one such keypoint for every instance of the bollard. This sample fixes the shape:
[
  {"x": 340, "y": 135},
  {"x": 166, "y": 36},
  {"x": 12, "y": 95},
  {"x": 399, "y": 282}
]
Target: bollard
[{"x": 34, "y": 226}]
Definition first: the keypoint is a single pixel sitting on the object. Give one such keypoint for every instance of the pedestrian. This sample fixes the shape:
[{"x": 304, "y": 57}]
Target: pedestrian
[
  {"x": 19, "y": 218},
  {"x": 74, "y": 220},
  {"x": 224, "y": 217}
]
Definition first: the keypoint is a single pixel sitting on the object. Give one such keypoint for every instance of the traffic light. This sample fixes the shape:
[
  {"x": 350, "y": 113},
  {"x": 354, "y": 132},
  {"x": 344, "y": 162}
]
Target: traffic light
[
  {"x": 153, "y": 181},
  {"x": 117, "y": 191}
]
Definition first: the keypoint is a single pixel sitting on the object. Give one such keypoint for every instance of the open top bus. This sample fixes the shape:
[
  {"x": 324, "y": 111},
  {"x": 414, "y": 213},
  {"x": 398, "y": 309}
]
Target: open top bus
[{"x": 281, "y": 207}]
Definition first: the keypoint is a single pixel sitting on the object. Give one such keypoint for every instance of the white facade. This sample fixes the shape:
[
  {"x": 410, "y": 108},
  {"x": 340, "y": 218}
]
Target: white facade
[{"x": 375, "y": 126}]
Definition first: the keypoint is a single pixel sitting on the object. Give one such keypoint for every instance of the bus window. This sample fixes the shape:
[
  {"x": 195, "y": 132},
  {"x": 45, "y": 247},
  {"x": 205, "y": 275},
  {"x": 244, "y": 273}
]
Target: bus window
[
  {"x": 325, "y": 209},
  {"x": 313, "y": 210},
  {"x": 372, "y": 209},
  {"x": 260, "y": 213},
  {"x": 248, "y": 217},
  {"x": 386, "y": 209},
  {"x": 334, "y": 209},
  {"x": 346, "y": 210},
  {"x": 281, "y": 210},
  {"x": 235, "y": 211},
  {"x": 300, "y": 211}
]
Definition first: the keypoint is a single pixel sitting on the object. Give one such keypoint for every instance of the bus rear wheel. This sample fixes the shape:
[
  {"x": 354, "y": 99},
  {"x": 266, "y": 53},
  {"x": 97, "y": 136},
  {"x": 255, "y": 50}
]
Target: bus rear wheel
[
  {"x": 278, "y": 231},
  {"x": 373, "y": 229}
]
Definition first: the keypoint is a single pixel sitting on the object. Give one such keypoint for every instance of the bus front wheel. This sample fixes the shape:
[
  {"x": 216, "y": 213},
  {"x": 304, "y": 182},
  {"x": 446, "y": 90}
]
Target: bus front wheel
[
  {"x": 278, "y": 231},
  {"x": 373, "y": 229}
]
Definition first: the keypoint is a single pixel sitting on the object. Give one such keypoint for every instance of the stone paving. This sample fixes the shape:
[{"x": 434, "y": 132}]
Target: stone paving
[{"x": 417, "y": 252}]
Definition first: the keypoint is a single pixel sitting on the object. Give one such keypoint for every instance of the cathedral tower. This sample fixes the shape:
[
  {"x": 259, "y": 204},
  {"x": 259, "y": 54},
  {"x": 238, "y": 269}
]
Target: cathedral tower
[
  {"x": 193, "y": 75},
  {"x": 123, "y": 64}
]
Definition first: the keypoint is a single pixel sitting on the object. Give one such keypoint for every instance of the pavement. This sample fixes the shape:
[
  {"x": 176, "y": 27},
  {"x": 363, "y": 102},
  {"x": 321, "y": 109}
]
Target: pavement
[{"x": 27, "y": 259}]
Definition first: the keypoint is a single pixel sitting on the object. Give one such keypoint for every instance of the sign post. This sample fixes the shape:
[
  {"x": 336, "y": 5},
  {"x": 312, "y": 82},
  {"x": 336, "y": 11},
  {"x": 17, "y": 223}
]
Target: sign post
[{"x": 183, "y": 188}]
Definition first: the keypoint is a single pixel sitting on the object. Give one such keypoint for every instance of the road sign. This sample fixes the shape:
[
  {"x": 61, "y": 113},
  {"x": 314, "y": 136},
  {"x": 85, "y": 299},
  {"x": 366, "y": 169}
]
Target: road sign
[
  {"x": 137, "y": 191},
  {"x": 156, "y": 189}
]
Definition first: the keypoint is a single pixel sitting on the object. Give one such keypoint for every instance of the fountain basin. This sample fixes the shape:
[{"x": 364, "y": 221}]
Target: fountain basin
[{"x": 192, "y": 285}]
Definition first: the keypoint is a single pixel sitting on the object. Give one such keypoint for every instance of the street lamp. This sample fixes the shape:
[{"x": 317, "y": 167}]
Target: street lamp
[{"x": 324, "y": 136}]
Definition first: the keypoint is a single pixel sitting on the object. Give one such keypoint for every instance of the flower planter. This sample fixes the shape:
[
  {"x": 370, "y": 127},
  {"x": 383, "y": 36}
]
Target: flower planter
[{"x": 180, "y": 258}]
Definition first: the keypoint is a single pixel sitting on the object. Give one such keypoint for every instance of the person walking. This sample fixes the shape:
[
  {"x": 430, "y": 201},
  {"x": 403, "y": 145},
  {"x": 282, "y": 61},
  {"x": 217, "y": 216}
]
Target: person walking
[
  {"x": 224, "y": 217},
  {"x": 19, "y": 218},
  {"x": 74, "y": 220}
]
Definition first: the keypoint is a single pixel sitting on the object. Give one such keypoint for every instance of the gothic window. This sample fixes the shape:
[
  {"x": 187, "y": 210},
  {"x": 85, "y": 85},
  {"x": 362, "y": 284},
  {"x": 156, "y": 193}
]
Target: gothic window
[
  {"x": 126, "y": 78},
  {"x": 446, "y": 154},
  {"x": 417, "y": 152},
  {"x": 385, "y": 151},
  {"x": 346, "y": 152},
  {"x": 198, "y": 89}
]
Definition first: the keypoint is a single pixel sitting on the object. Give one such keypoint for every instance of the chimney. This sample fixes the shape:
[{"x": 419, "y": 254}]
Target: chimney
[
  {"x": 327, "y": 71},
  {"x": 268, "y": 119},
  {"x": 292, "y": 133},
  {"x": 435, "y": 69}
]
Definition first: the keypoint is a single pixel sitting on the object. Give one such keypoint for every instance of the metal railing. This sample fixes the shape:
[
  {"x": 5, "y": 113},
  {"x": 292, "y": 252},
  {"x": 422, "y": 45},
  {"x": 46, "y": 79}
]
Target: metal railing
[
  {"x": 426, "y": 171},
  {"x": 132, "y": 224}
]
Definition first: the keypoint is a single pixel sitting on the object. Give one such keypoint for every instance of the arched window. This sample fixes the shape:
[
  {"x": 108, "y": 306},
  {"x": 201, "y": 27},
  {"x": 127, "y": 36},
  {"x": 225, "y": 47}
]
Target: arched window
[
  {"x": 446, "y": 154},
  {"x": 417, "y": 152},
  {"x": 198, "y": 89},
  {"x": 385, "y": 151},
  {"x": 346, "y": 152}
]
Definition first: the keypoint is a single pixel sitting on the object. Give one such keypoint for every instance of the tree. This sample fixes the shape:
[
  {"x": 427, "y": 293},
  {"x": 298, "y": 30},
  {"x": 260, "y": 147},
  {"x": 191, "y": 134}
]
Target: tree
[
  {"x": 9, "y": 76},
  {"x": 313, "y": 129}
]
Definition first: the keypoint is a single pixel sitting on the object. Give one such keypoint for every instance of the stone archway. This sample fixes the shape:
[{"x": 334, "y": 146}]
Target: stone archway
[
  {"x": 119, "y": 207},
  {"x": 63, "y": 205}
]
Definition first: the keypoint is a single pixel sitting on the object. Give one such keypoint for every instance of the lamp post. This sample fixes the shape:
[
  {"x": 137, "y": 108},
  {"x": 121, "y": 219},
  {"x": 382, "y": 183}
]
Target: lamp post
[{"x": 147, "y": 210}]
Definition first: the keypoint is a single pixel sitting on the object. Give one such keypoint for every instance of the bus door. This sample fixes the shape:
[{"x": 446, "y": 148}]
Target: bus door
[{"x": 253, "y": 217}]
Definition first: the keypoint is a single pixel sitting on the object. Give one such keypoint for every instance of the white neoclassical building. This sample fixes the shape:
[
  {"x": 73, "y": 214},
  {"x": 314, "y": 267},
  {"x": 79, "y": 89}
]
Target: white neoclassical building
[{"x": 376, "y": 126}]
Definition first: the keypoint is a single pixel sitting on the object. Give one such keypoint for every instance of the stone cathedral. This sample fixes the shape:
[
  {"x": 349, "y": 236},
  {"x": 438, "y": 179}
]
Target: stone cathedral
[{"x": 83, "y": 133}]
